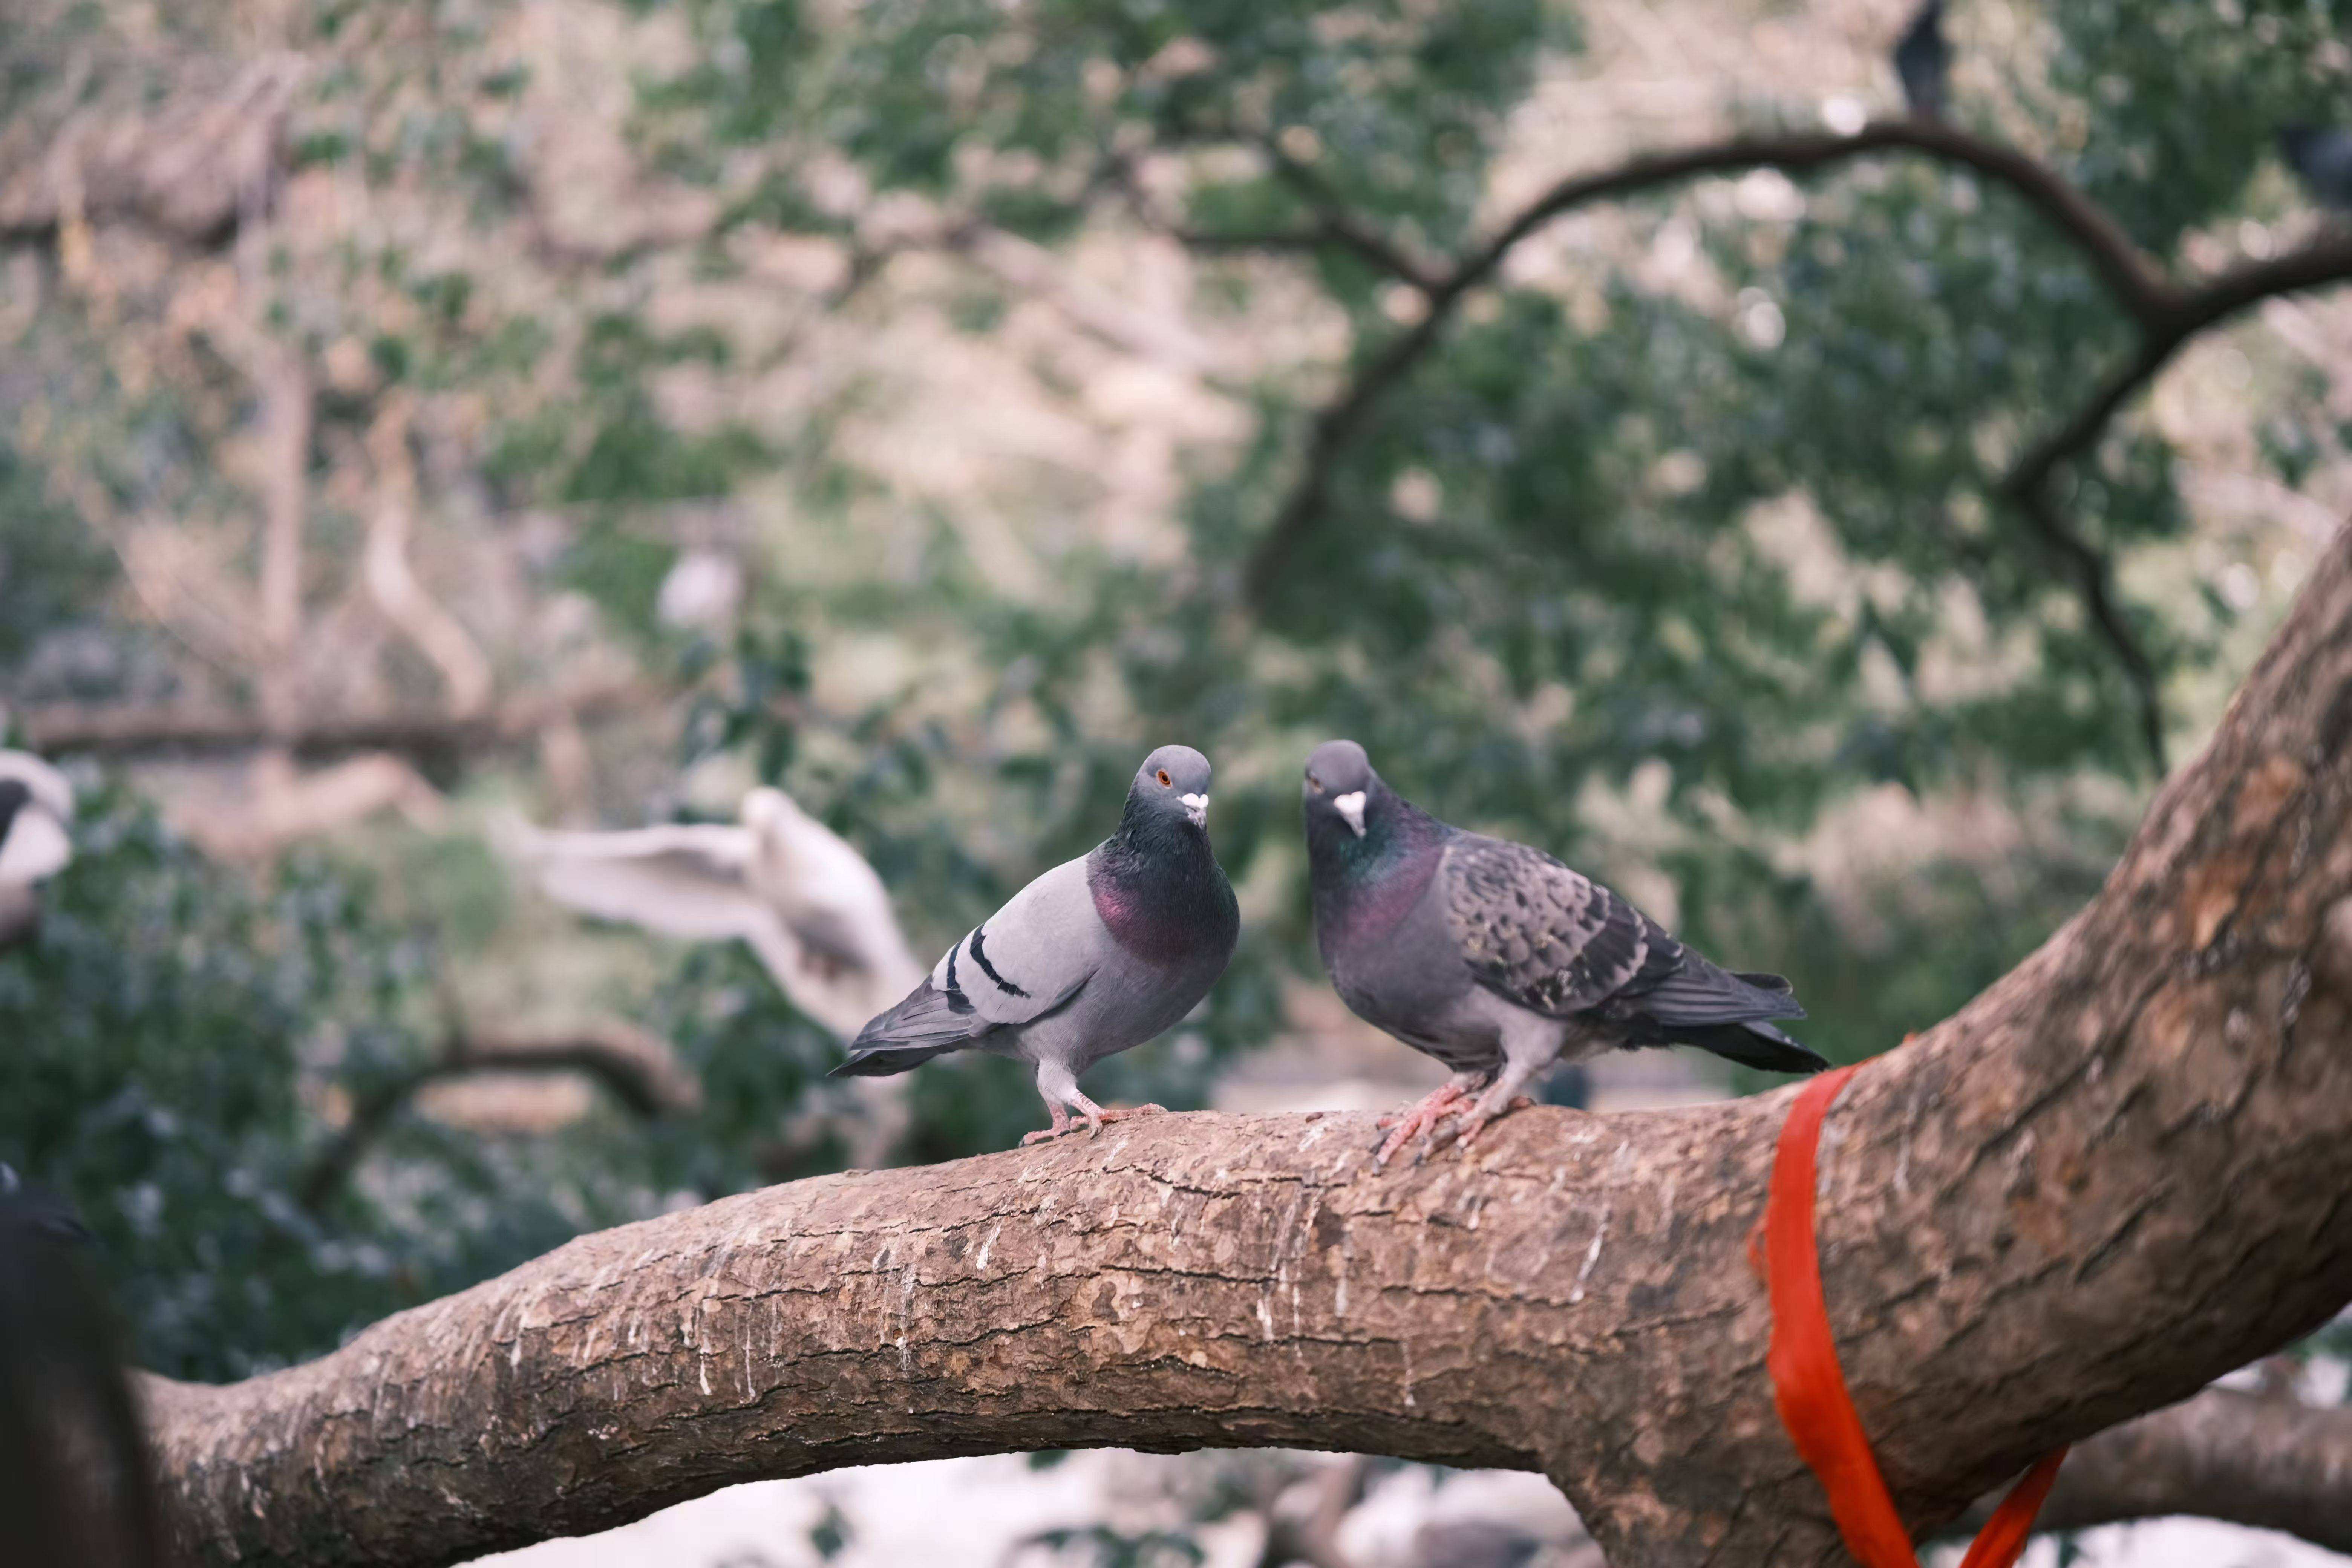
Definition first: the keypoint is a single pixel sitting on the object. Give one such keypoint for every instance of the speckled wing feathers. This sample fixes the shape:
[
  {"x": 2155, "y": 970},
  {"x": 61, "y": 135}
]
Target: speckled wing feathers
[{"x": 1543, "y": 936}]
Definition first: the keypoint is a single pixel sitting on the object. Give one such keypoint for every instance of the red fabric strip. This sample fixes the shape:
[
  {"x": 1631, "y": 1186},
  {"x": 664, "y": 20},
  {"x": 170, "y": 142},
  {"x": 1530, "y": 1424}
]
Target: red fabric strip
[
  {"x": 1809, "y": 1385},
  {"x": 2002, "y": 1541}
]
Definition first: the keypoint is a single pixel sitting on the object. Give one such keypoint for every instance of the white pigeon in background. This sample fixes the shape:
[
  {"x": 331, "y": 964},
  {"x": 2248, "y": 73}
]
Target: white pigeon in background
[
  {"x": 36, "y": 809},
  {"x": 807, "y": 903}
]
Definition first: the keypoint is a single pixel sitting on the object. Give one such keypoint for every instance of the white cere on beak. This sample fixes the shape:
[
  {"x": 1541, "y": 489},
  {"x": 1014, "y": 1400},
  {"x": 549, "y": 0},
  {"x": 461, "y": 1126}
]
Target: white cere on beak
[
  {"x": 1351, "y": 806},
  {"x": 1196, "y": 807}
]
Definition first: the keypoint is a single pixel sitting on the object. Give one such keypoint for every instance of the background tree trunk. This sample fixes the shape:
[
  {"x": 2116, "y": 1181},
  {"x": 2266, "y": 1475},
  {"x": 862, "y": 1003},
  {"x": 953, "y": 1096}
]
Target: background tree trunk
[{"x": 2122, "y": 1171}]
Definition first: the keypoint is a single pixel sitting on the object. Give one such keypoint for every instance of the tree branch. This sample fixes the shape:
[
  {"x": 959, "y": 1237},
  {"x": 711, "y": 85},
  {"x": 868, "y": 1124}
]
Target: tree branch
[
  {"x": 137, "y": 731},
  {"x": 2181, "y": 315},
  {"x": 2167, "y": 315},
  {"x": 1335, "y": 225},
  {"x": 2115, "y": 1175},
  {"x": 642, "y": 1071},
  {"x": 2270, "y": 1464},
  {"x": 2092, "y": 582},
  {"x": 2135, "y": 279}
]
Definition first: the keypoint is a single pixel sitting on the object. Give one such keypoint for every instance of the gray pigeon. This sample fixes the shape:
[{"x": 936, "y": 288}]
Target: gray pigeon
[
  {"x": 1924, "y": 61},
  {"x": 1094, "y": 956},
  {"x": 2321, "y": 157},
  {"x": 1499, "y": 960}
]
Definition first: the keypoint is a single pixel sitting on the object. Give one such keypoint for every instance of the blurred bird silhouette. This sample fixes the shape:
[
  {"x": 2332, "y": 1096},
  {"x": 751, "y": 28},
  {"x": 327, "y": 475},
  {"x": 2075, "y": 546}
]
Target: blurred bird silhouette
[
  {"x": 77, "y": 1488},
  {"x": 1474, "y": 1543},
  {"x": 37, "y": 808},
  {"x": 807, "y": 903},
  {"x": 778, "y": 879},
  {"x": 2321, "y": 157},
  {"x": 1924, "y": 60}
]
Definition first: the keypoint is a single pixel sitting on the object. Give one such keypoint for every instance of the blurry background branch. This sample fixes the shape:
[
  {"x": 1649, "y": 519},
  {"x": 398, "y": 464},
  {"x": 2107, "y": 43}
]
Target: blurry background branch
[
  {"x": 110, "y": 730},
  {"x": 640, "y": 1070},
  {"x": 2268, "y": 1462},
  {"x": 2168, "y": 314}
]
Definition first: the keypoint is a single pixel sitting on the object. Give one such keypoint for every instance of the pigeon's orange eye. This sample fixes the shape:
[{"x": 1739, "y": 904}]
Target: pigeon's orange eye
[
  {"x": 1314, "y": 784},
  {"x": 1164, "y": 780}
]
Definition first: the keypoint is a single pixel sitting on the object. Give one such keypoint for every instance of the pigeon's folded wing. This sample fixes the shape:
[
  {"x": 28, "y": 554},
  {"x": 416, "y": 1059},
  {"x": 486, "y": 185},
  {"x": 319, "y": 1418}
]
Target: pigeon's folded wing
[
  {"x": 1033, "y": 954},
  {"x": 688, "y": 879},
  {"x": 1545, "y": 936}
]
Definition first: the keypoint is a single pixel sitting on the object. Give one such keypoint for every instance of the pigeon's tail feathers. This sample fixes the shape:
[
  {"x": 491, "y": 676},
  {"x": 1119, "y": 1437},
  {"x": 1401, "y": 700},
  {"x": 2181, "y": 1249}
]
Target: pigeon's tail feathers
[
  {"x": 1699, "y": 993},
  {"x": 882, "y": 1061},
  {"x": 1752, "y": 1044},
  {"x": 928, "y": 1023},
  {"x": 1761, "y": 980}
]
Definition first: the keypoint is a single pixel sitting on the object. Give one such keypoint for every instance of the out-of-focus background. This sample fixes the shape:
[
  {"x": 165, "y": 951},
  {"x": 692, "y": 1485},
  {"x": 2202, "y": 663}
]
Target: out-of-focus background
[{"x": 426, "y": 424}]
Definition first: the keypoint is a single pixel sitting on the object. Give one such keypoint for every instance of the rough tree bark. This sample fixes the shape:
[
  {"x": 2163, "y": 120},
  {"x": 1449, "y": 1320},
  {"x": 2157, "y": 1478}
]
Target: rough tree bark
[{"x": 2122, "y": 1171}]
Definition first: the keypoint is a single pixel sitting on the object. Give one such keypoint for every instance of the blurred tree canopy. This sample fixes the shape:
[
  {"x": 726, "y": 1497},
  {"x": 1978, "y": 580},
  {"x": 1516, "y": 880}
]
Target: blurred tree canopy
[{"x": 994, "y": 344}]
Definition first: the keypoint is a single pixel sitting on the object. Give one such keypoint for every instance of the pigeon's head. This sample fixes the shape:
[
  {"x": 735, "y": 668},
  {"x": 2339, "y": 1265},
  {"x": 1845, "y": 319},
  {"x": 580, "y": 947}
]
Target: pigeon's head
[
  {"x": 1341, "y": 787},
  {"x": 1173, "y": 780}
]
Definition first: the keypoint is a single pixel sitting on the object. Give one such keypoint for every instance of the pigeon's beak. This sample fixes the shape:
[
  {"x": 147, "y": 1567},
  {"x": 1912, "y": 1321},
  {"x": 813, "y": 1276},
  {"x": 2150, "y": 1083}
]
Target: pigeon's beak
[
  {"x": 1196, "y": 807},
  {"x": 1351, "y": 806}
]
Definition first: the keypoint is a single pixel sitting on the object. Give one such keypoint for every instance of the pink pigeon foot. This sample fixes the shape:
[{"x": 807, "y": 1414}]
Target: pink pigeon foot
[
  {"x": 1419, "y": 1121},
  {"x": 1474, "y": 1120},
  {"x": 1044, "y": 1135}
]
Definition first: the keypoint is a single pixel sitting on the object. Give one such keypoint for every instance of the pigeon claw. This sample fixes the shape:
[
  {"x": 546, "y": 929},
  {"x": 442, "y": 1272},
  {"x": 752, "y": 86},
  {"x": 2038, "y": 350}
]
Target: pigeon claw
[
  {"x": 1419, "y": 1122},
  {"x": 1475, "y": 1122},
  {"x": 1096, "y": 1119}
]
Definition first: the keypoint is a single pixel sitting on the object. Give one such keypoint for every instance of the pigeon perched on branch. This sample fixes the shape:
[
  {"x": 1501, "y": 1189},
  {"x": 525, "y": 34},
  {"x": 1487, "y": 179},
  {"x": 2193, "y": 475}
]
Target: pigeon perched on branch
[
  {"x": 1097, "y": 955},
  {"x": 1924, "y": 62},
  {"x": 2321, "y": 157},
  {"x": 806, "y": 901},
  {"x": 1499, "y": 961},
  {"x": 37, "y": 808}
]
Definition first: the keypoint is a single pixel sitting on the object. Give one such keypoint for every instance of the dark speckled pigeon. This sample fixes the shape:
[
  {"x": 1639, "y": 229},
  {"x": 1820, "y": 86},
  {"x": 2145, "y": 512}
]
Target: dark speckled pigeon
[
  {"x": 2321, "y": 157},
  {"x": 1094, "y": 956},
  {"x": 1924, "y": 62},
  {"x": 1497, "y": 960}
]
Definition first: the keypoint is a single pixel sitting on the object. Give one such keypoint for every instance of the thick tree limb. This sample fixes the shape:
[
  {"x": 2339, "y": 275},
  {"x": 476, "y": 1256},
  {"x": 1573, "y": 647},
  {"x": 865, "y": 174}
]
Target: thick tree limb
[
  {"x": 2124, "y": 1169},
  {"x": 2272, "y": 1464},
  {"x": 135, "y": 731}
]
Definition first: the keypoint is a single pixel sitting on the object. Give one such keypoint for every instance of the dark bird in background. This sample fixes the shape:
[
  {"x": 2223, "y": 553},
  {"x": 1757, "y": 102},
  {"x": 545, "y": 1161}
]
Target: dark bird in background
[
  {"x": 1098, "y": 954},
  {"x": 36, "y": 809},
  {"x": 77, "y": 1488},
  {"x": 1499, "y": 959},
  {"x": 1474, "y": 1543},
  {"x": 2321, "y": 157},
  {"x": 1924, "y": 60}
]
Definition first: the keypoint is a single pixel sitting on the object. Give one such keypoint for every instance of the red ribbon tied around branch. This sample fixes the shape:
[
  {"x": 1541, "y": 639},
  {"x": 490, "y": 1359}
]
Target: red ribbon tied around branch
[{"x": 1809, "y": 1386}]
